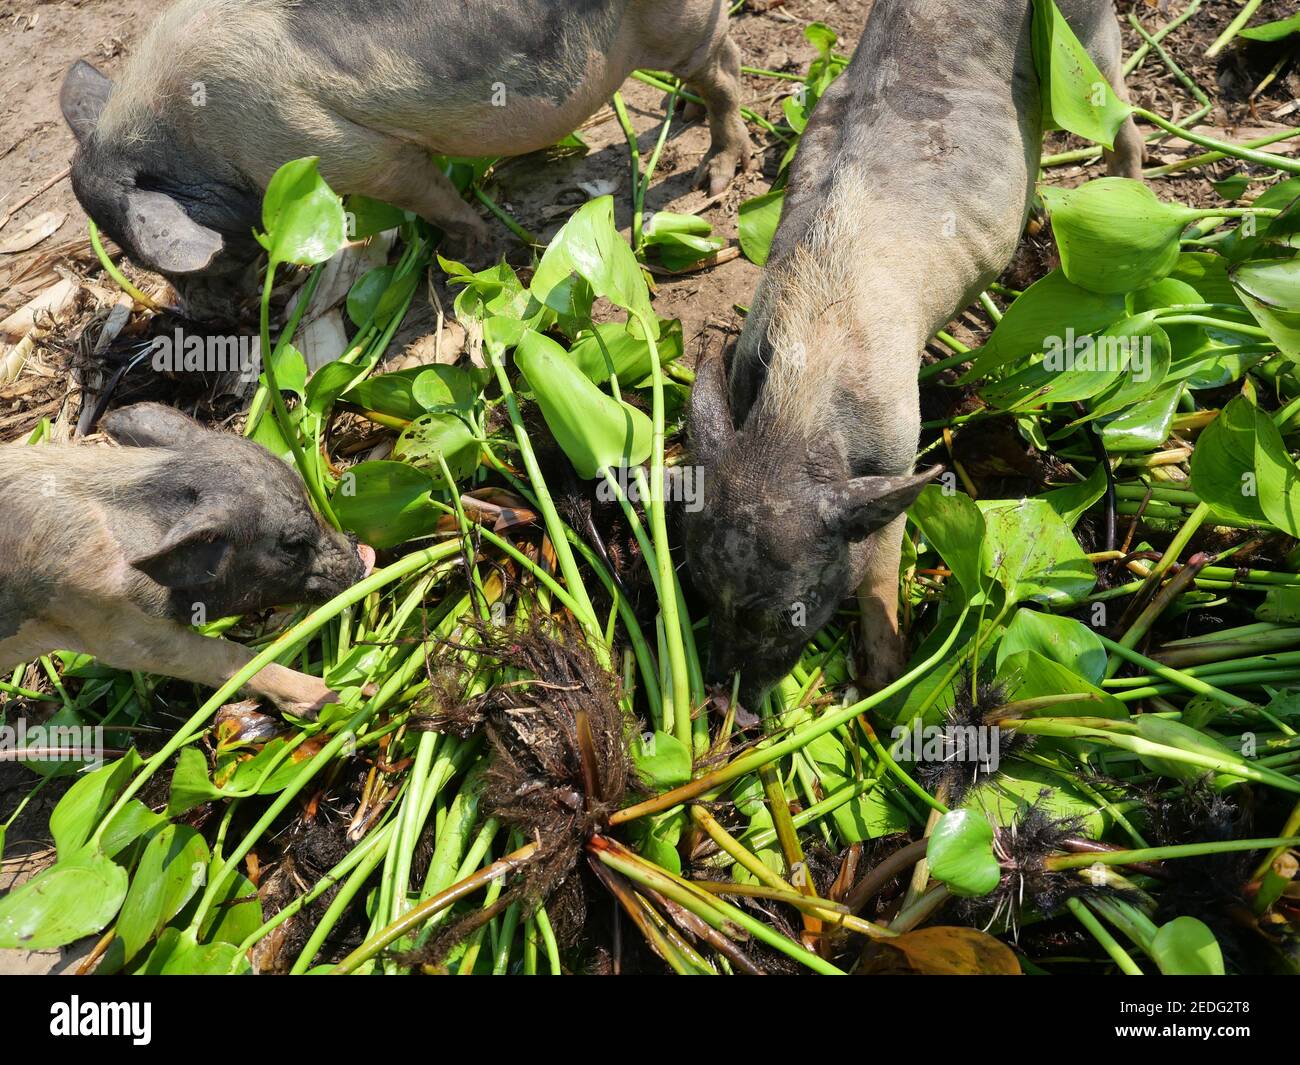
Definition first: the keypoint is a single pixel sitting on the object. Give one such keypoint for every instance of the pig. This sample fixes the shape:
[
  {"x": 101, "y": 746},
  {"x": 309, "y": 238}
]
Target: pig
[
  {"x": 907, "y": 197},
  {"x": 173, "y": 159},
  {"x": 115, "y": 551}
]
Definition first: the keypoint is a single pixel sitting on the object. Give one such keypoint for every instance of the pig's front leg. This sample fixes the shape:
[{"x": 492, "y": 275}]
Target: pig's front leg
[
  {"x": 718, "y": 83},
  {"x": 880, "y": 645},
  {"x": 149, "y": 645}
]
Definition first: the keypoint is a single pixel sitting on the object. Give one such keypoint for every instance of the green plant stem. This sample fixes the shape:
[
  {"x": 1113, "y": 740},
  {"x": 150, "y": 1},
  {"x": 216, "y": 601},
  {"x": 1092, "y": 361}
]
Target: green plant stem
[
  {"x": 1058, "y": 862},
  {"x": 369, "y": 861},
  {"x": 751, "y": 862},
  {"x": 718, "y": 913},
  {"x": 586, "y": 614},
  {"x": 679, "y": 699},
  {"x": 345, "y": 737},
  {"x": 372, "y": 846},
  {"x": 920, "y": 910},
  {"x": 1136, "y": 59},
  {"x": 1250, "y": 678},
  {"x": 1174, "y": 676},
  {"x": 1270, "y": 661},
  {"x": 1197, "y": 93},
  {"x": 759, "y": 72},
  {"x": 1291, "y": 827},
  {"x": 23, "y": 693},
  {"x": 638, "y": 189},
  {"x": 417, "y": 915},
  {"x": 769, "y": 751},
  {"x": 1159, "y": 603},
  {"x": 309, "y": 472},
  {"x": 1234, "y": 27},
  {"x": 888, "y": 761},
  {"x": 1103, "y": 937},
  {"x": 1063, "y": 728},
  {"x": 752, "y": 116},
  {"x": 1130, "y": 920},
  {"x": 285, "y": 645},
  {"x": 525, "y": 236},
  {"x": 262, "y": 396},
  {"x": 116, "y": 274},
  {"x": 1276, "y": 162},
  {"x": 1206, "y": 158}
]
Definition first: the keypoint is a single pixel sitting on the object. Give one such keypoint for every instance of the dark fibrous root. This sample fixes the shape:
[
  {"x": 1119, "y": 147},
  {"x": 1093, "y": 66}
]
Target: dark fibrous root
[
  {"x": 958, "y": 766},
  {"x": 559, "y": 766},
  {"x": 1210, "y": 887},
  {"x": 1022, "y": 848}
]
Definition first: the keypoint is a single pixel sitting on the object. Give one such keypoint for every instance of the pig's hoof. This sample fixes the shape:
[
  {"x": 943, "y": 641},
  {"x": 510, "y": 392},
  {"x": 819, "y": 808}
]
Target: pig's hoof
[
  {"x": 468, "y": 238},
  {"x": 307, "y": 701},
  {"x": 718, "y": 171},
  {"x": 731, "y": 156}
]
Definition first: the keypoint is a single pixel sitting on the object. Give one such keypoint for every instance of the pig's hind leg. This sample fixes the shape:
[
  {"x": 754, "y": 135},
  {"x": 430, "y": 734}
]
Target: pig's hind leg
[
  {"x": 1107, "y": 51},
  {"x": 718, "y": 83},
  {"x": 405, "y": 175},
  {"x": 1130, "y": 148}
]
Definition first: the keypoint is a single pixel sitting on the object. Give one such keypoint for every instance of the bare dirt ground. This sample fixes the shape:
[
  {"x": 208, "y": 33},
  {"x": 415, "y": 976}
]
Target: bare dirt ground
[{"x": 38, "y": 41}]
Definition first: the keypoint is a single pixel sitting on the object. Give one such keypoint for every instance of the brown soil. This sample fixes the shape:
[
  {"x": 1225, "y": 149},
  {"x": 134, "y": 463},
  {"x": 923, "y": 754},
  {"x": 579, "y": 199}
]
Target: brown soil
[{"x": 38, "y": 42}]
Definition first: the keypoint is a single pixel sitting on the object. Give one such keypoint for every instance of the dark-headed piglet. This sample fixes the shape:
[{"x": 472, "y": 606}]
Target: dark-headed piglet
[
  {"x": 174, "y": 157},
  {"x": 114, "y": 552},
  {"x": 908, "y": 196}
]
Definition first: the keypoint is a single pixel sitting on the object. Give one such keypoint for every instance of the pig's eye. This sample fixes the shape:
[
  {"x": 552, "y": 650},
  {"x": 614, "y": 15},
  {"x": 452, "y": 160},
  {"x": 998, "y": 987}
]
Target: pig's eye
[{"x": 295, "y": 545}]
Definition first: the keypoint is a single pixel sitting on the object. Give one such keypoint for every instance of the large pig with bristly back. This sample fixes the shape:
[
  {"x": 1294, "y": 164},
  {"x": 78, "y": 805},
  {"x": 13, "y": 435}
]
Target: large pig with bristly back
[
  {"x": 173, "y": 159},
  {"x": 908, "y": 196}
]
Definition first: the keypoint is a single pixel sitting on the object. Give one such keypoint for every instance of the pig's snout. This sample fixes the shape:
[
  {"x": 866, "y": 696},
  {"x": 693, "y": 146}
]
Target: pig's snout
[
  {"x": 340, "y": 563},
  {"x": 720, "y": 669},
  {"x": 760, "y": 663},
  {"x": 367, "y": 555}
]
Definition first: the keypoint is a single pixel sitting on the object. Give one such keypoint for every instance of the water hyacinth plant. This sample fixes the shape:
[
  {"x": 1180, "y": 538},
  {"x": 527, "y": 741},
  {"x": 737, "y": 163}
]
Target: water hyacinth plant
[{"x": 524, "y": 740}]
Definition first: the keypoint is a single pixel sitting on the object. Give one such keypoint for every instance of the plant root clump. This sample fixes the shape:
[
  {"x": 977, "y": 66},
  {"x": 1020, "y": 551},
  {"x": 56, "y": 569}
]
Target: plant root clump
[
  {"x": 559, "y": 767},
  {"x": 949, "y": 764},
  {"x": 1210, "y": 887},
  {"x": 1022, "y": 848}
]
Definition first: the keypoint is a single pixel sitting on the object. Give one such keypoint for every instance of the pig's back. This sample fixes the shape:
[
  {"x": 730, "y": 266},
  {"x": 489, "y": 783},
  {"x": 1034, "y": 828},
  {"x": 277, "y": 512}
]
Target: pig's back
[
  {"x": 457, "y": 76},
  {"x": 925, "y": 150}
]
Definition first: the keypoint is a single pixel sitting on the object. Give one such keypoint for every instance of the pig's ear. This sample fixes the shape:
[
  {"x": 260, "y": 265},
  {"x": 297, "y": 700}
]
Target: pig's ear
[
  {"x": 191, "y": 553},
  {"x": 84, "y": 93},
  {"x": 167, "y": 239},
  {"x": 867, "y": 504},
  {"x": 710, "y": 426},
  {"x": 152, "y": 425}
]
